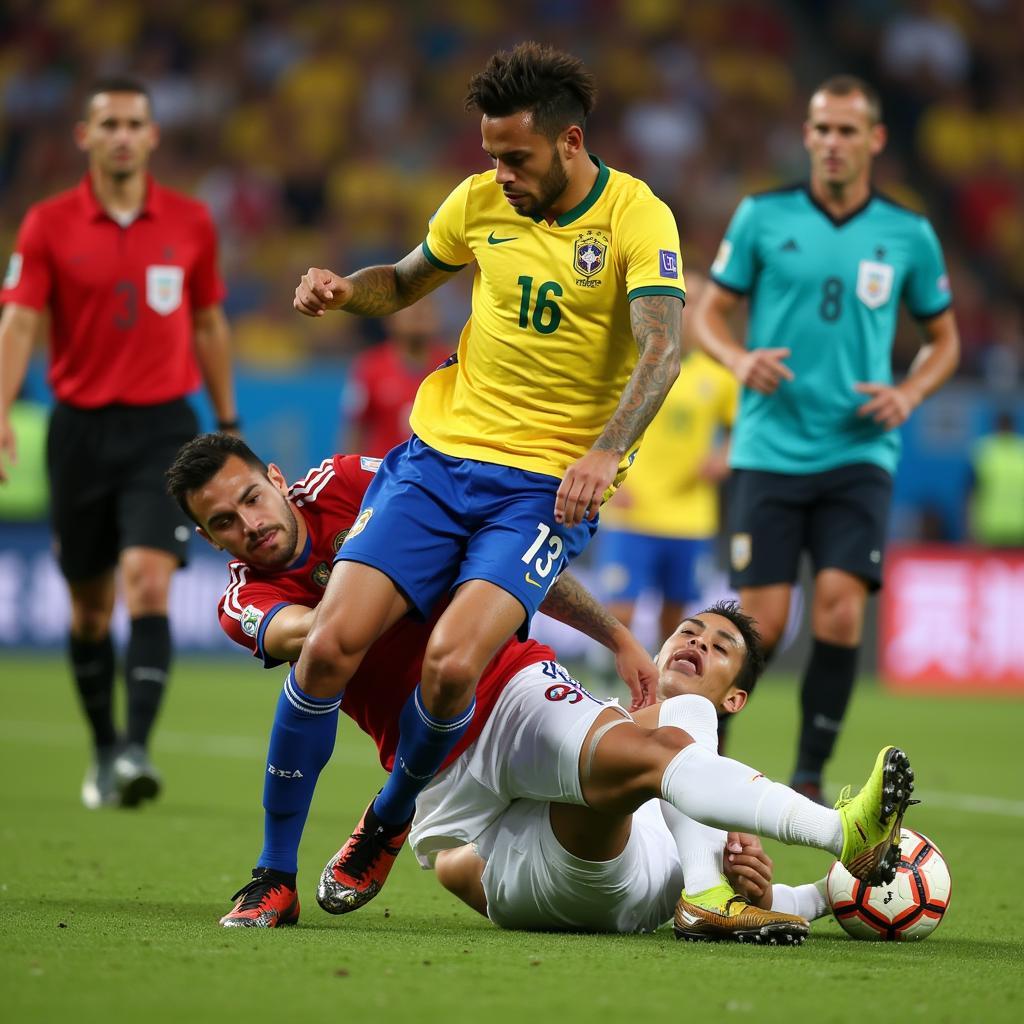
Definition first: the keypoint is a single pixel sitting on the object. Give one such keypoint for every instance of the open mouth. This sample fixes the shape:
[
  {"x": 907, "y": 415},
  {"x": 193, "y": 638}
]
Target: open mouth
[{"x": 689, "y": 661}]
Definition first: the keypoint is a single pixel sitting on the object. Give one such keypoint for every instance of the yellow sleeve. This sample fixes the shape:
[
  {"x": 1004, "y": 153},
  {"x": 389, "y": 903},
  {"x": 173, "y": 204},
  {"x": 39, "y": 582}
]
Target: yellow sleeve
[
  {"x": 648, "y": 241},
  {"x": 445, "y": 245},
  {"x": 730, "y": 398}
]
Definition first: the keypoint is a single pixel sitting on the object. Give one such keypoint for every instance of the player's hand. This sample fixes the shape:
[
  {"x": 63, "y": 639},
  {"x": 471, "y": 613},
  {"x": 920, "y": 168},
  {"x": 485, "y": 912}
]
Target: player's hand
[
  {"x": 8, "y": 447},
  {"x": 637, "y": 671},
  {"x": 762, "y": 369},
  {"x": 320, "y": 290},
  {"x": 748, "y": 868},
  {"x": 889, "y": 406},
  {"x": 583, "y": 486}
]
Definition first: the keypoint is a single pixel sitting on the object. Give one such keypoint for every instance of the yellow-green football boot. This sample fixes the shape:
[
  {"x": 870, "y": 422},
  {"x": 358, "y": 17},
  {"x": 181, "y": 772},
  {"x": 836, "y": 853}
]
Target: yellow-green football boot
[
  {"x": 720, "y": 914},
  {"x": 872, "y": 819}
]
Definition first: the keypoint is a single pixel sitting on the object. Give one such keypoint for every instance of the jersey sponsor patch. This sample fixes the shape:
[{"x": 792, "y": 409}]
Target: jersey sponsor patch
[
  {"x": 668, "y": 263},
  {"x": 722, "y": 257},
  {"x": 360, "y": 524},
  {"x": 369, "y": 465},
  {"x": 322, "y": 574},
  {"x": 13, "y": 275},
  {"x": 164, "y": 286},
  {"x": 250, "y": 620},
  {"x": 874, "y": 283}
]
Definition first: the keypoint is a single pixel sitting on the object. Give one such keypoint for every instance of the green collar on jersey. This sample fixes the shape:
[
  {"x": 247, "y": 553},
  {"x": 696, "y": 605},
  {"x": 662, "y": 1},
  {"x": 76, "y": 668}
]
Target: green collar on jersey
[{"x": 603, "y": 174}]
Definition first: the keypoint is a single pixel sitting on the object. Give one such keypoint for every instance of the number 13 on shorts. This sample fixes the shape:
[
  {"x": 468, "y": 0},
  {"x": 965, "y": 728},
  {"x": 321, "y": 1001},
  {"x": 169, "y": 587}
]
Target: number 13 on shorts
[{"x": 543, "y": 555}]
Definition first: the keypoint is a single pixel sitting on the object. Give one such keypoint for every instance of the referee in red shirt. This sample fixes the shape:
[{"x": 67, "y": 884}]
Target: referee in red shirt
[{"x": 126, "y": 270}]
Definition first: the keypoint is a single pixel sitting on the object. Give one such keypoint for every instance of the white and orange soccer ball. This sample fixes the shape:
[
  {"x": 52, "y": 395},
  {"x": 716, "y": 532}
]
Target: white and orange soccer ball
[{"x": 907, "y": 909}]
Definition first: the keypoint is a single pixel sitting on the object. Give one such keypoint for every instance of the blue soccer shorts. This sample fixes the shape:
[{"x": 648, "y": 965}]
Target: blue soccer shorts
[
  {"x": 631, "y": 563},
  {"x": 432, "y": 522}
]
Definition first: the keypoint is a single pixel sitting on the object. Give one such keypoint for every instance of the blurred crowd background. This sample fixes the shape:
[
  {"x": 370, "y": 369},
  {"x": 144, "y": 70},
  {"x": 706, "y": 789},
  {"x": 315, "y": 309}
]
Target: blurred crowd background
[{"x": 327, "y": 133}]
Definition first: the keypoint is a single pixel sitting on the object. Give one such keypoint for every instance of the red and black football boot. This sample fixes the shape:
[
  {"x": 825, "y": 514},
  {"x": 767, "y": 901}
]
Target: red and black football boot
[
  {"x": 268, "y": 901},
  {"x": 358, "y": 871}
]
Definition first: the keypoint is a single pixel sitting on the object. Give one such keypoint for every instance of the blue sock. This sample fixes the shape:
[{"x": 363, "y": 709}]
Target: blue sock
[
  {"x": 301, "y": 743},
  {"x": 423, "y": 744}
]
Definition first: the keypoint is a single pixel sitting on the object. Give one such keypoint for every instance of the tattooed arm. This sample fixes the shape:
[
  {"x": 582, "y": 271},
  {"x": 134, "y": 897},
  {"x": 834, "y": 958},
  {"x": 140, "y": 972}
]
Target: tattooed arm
[
  {"x": 373, "y": 291},
  {"x": 657, "y": 328},
  {"x": 570, "y": 602}
]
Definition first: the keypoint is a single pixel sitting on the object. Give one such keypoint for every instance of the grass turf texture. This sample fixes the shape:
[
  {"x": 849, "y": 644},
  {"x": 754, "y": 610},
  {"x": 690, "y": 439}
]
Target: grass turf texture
[{"x": 112, "y": 915}]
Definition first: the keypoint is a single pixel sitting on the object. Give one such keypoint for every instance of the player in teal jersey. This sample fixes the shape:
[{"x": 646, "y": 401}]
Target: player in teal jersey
[{"x": 823, "y": 267}]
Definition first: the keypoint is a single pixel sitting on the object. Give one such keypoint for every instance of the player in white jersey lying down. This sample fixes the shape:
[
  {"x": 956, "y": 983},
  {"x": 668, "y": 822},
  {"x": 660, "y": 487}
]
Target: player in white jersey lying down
[{"x": 545, "y": 865}]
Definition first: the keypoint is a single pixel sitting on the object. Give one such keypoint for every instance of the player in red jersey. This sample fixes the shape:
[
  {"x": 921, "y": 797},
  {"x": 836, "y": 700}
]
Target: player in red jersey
[
  {"x": 283, "y": 540},
  {"x": 382, "y": 381},
  {"x": 535, "y": 733},
  {"x": 126, "y": 271}
]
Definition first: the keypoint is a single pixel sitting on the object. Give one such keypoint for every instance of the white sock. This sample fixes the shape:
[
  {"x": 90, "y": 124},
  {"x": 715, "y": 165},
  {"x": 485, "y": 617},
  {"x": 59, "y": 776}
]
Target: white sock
[
  {"x": 727, "y": 794},
  {"x": 700, "y": 846},
  {"x": 808, "y": 901}
]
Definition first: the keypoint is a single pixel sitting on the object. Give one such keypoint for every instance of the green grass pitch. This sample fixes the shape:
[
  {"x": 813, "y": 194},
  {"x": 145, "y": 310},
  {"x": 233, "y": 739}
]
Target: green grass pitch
[{"x": 108, "y": 916}]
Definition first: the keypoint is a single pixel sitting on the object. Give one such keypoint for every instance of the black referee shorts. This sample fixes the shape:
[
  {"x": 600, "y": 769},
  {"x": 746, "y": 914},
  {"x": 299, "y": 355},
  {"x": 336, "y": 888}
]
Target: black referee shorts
[
  {"x": 107, "y": 487},
  {"x": 839, "y": 516}
]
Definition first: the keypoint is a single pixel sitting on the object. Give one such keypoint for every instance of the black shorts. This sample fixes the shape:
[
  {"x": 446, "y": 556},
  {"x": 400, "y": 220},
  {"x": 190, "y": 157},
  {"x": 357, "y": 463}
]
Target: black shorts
[
  {"x": 838, "y": 516},
  {"x": 107, "y": 487}
]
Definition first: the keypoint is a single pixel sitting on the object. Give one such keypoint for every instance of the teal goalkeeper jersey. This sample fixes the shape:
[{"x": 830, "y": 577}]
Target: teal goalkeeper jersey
[{"x": 828, "y": 290}]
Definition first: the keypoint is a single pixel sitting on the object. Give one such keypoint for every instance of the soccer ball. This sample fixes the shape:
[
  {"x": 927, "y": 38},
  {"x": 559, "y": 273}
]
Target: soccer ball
[{"x": 907, "y": 909}]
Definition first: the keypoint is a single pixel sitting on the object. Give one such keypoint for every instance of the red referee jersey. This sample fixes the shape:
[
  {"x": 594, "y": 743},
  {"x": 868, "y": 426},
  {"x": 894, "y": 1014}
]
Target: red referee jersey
[
  {"x": 328, "y": 499},
  {"x": 121, "y": 299}
]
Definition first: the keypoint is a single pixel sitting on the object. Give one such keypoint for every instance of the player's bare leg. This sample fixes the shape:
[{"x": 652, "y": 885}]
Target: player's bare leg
[
  {"x": 359, "y": 604},
  {"x": 480, "y": 618},
  {"x": 92, "y": 664},
  {"x": 461, "y": 871}
]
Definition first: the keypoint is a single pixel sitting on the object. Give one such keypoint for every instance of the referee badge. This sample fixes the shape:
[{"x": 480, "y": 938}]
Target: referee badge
[
  {"x": 164, "y": 288},
  {"x": 874, "y": 283},
  {"x": 739, "y": 551}
]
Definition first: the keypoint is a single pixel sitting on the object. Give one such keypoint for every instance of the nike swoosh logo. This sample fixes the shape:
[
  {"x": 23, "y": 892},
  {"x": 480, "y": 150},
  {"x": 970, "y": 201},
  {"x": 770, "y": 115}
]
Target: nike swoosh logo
[
  {"x": 863, "y": 834},
  {"x": 491, "y": 240},
  {"x": 689, "y": 918},
  {"x": 529, "y": 579}
]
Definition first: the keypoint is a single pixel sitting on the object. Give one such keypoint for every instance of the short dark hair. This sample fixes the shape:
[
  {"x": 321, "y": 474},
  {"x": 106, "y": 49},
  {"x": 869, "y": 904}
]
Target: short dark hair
[
  {"x": 555, "y": 87},
  {"x": 754, "y": 660},
  {"x": 198, "y": 461},
  {"x": 846, "y": 85},
  {"x": 114, "y": 83}
]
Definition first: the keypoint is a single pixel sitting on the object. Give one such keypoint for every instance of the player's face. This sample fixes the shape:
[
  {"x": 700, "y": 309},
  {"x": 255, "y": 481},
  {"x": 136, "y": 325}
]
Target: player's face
[
  {"x": 528, "y": 165},
  {"x": 247, "y": 514},
  {"x": 704, "y": 656},
  {"x": 118, "y": 134},
  {"x": 841, "y": 138}
]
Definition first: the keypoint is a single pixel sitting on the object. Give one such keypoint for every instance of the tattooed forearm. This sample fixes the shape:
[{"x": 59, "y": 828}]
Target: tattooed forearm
[
  {"x": 570, "y": 602},
  {"x": 657, "y": 324},
  {"x": 380, "y": 291}
]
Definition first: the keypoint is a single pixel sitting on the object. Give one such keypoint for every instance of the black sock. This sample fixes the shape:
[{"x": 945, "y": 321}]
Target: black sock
[
  {"x": 146, "y": 665},
  {"x": 827, "y": 685},
  {"x": 92, "y": 664}
]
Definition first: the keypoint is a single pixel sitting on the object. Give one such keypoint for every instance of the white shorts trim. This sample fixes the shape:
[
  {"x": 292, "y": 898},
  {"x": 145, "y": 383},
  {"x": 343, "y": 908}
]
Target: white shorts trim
[{"x": 529, "y": 748}]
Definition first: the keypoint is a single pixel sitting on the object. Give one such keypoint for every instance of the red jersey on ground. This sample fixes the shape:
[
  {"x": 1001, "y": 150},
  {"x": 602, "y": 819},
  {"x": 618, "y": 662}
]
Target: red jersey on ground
[
  {"x": 379, "y": 393},
  {"x": 121, "y": 299},
  {"x": 328, "y": 499}
]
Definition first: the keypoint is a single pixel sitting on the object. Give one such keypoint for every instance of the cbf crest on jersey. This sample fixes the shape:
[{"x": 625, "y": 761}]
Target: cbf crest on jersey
[
  {"x": 590, "y": 253},
  {"x": 874, "y": 283},
  {"x": 164, "y": 288}
]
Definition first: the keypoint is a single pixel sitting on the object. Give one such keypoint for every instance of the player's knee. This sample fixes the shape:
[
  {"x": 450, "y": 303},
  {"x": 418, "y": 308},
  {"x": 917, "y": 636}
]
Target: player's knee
[
  {"x": 89, "y": 623},
  {"x": 326, "y": 664},
  {"x": 145, "y": 590},
  {"x": 449, "y": 678},
  {"x": 840, "y": 620}
]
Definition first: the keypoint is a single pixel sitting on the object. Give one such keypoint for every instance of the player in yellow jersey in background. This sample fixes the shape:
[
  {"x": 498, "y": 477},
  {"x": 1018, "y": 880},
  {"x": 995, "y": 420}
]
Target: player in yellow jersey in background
[
  {"x": 657, "y": 532},
  {"x": 572, "y": 344}
]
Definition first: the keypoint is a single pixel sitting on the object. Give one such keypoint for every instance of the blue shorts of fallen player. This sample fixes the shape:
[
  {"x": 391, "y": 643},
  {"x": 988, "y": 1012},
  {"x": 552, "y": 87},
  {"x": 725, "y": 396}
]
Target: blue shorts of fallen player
[{"x": 432, "y": 522}]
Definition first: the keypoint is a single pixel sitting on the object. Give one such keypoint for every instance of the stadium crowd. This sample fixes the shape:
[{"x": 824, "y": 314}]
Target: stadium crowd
[{"x": 310, "y": 133}]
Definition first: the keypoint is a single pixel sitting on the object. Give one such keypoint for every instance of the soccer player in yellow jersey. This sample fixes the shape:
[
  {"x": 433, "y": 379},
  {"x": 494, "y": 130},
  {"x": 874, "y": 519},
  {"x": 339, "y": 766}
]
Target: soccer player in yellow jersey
[
  {"x": 657, "y": 532},
  {"x": 572, "y": 344}
]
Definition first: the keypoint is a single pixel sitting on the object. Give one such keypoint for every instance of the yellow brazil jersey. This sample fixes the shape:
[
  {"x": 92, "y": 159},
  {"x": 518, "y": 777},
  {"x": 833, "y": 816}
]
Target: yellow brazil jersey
[
  {"x": 548, "y": 348},
  {"x": 665, "y": 495}
]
